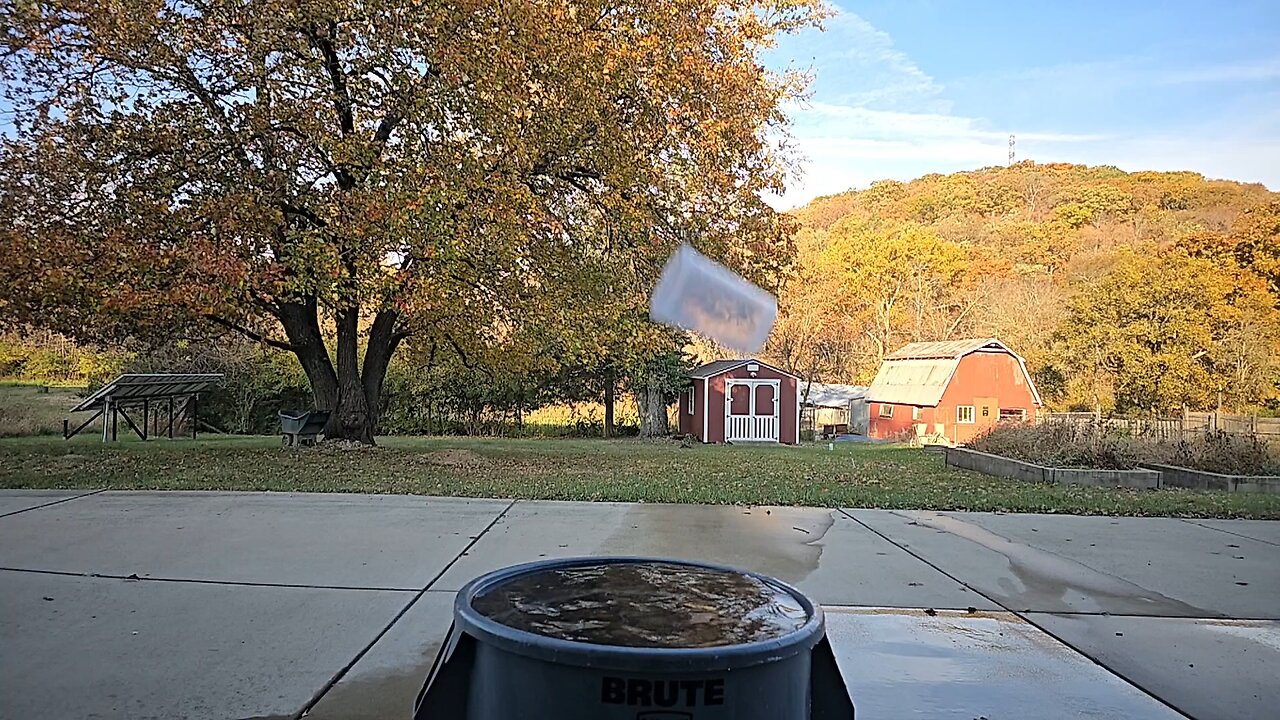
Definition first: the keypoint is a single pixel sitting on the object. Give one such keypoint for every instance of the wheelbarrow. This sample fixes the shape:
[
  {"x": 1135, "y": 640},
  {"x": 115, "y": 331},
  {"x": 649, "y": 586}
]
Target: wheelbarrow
[{"x": 302, "y": 427}]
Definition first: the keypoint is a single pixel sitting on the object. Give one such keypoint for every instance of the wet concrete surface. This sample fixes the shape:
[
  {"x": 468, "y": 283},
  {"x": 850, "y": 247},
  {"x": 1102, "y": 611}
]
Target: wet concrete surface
[
  {"x": 384, "y": 684},
  {"x": 831, "y": 558},
  {"x": 1220, "y": 669},
  {"x": 212, "y": 644},
  {"x": 908, "y": 664},
  {"x": 1182, "y": 569},
  {"x": 1052, "y": 563}
]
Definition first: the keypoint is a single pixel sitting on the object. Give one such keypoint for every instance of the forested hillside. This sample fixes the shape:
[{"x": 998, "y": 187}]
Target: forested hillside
[{"x": 1125, "y": 291}]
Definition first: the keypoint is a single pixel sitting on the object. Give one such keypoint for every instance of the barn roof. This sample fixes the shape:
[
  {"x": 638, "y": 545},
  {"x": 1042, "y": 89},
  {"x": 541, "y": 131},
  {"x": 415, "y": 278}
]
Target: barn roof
[
  {"x": 946, "y": 349},
  {"x": 918, "y": 373},
  {"x": 719, "y": 367},
  {"x": 828, "y": 395}
]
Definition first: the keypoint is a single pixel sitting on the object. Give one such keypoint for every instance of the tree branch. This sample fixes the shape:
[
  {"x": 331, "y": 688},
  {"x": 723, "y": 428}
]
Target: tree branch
[{"x": 252, "y": 335}]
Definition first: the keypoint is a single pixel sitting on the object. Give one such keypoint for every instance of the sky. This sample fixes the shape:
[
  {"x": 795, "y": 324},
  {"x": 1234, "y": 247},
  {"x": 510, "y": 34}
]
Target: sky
[{"x": 903, "y": 88}]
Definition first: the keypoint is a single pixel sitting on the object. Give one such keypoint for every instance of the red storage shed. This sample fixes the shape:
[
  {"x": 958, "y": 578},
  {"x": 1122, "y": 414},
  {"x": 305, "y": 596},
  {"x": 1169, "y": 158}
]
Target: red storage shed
[
  {"x": 741, "y": 401},
  {"x": 950, "y": 391}
]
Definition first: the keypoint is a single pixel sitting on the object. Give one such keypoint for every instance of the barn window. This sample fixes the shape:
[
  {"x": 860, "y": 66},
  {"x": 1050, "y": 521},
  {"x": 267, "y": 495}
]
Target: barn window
[
  {"x": 886, "y": 410},
  {"x": 915, "y": 413},
  {"x": 690, "y": 399},
  {"x": 964, "y": 414}
]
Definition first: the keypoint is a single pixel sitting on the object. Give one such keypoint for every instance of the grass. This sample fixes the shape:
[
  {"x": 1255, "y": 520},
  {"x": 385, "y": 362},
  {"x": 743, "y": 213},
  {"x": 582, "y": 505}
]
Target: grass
[
  {"x": 26, "y": 409},
  {"x": 853, "y": 475}
]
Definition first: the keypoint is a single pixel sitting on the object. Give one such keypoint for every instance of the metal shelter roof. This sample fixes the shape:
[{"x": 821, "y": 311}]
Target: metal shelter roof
[
  {"x": 835, "y": 396},
  {"x": 139, "y": 387},
  {"x": 717, "y": 367},
  {"x": 918, "y": 373}
]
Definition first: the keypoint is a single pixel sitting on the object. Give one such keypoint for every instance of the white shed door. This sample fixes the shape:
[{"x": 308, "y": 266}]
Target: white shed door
[{"x": 751, "y": 410}]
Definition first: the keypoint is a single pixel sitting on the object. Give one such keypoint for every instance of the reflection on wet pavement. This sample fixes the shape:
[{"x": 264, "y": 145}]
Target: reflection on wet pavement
[
  {"x": 953, "y": 664},
  {"x": 1046, "y": 577}
]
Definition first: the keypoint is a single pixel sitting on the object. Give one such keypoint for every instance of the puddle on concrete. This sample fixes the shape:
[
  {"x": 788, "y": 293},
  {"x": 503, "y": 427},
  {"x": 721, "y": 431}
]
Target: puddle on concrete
[
  {"x": 1263, "y": 632},
  {"x": 374, "y": 696},
  {"x": 649, "y": 604},
  {"x": 1047, "y": 577}
]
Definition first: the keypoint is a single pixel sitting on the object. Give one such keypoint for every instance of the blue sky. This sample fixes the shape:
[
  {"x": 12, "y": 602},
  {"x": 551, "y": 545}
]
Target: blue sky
[{"x": 902, "y": 88}]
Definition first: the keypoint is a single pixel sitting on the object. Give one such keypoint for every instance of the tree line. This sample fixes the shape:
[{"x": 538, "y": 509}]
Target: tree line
[{"x": 1126, "y": 292}]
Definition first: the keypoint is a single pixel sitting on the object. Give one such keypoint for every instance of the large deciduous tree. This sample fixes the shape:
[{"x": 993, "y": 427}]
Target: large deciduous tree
[
  {"x": 333, "y": 178},
  {"x": 1166, "y": 331}
]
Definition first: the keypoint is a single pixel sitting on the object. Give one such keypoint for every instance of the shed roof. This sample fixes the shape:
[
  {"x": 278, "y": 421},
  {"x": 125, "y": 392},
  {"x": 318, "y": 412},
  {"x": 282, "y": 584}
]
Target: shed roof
[
  {"x": 918, "y": 373},
  {"x": 829, "y": 395},
  {"x": 719, "y": 367}
]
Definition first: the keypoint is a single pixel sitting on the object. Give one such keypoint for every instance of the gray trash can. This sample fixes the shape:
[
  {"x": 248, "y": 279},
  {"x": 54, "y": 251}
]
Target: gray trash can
[{"x": 633, "y": 638}]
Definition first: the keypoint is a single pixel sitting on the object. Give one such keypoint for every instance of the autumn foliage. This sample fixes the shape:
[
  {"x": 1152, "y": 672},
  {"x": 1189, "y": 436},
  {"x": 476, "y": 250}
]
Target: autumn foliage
[
  {"x": 336, "y": 179},
  {"x": 1135, "y": 292}
]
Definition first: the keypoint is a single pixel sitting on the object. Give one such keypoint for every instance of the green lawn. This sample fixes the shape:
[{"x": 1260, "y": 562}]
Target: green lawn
[{"x": 853, "y": 475}]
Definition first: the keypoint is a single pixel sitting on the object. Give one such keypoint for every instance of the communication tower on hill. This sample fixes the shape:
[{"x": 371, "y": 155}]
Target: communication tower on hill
[{"x": 1011, "y": 153}]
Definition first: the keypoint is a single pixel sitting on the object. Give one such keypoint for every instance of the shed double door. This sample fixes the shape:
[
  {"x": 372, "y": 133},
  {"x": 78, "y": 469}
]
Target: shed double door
[{"x": 751, "y": 410}]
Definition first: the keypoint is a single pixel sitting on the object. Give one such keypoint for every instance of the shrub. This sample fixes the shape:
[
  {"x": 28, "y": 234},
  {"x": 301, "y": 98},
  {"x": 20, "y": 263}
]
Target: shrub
[
  {"x": 1221, "y": 452},
  {"x": 1079, "y": 445},
  {"x": 1060, "y": 444},
  {"x": 257, "y": 383}
]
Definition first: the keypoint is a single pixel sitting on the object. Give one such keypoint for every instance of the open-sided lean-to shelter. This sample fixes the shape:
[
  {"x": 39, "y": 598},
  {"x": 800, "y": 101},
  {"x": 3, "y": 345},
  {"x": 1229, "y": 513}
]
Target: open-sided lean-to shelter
[
  {"x": 741, "y": 401},
  {"x": 147, "y": 396},
  {"x": 950, "y": 391}
]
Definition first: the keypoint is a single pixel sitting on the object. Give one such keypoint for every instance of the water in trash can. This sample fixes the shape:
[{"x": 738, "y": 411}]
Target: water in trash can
[
  {"x": 633, "y": 639},
  {"x": 644, "y": 605}
]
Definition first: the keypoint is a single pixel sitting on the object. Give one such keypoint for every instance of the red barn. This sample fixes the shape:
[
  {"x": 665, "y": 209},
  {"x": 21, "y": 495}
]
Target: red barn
[
  {"x": 741, "y": 401},
  {"x": 950, "y": 391}
]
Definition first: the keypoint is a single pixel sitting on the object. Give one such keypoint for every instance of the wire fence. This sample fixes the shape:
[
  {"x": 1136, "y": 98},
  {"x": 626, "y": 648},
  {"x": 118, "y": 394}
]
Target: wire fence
[{"x": 1176, "y": 428}]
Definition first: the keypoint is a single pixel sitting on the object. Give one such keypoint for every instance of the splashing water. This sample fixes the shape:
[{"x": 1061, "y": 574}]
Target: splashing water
[{"x": 649, "y": 605}]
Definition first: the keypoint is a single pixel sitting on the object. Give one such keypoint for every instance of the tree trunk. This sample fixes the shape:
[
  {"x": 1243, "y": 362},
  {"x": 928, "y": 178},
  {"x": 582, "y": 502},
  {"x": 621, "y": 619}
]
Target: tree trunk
[
  {"x": 610, "y": 391},
  {"x": 302, "y": 328},
  {"x": 653, "y": 410},
  {"x": 350, "y": 392},
  {"x": 351, "y": 419},
  {"x": 383, "y": 341}
]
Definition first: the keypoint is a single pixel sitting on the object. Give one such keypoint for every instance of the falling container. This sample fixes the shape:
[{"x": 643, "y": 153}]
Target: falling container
[
  {"x": 633, "y": 638},
  {"x": 699, "y": 294}
]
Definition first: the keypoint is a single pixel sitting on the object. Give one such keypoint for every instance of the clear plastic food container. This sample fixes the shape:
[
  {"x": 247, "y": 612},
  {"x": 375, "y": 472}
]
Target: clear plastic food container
[{"x": 699, "y": 294}]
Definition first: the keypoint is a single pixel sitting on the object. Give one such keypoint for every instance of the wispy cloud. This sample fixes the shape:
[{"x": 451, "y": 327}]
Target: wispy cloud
[
  {"x": 876, "y": 113},
  {"x": 870, "y": 47},
  {"x": 865, "y": 122},
  {"x": 1257, "y": 71}
]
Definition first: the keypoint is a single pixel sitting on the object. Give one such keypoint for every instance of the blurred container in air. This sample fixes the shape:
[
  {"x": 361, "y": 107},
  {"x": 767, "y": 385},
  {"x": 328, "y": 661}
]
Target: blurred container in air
[
  {"x": 633, "y": 639},
  {"x": 699, "y": 294}
]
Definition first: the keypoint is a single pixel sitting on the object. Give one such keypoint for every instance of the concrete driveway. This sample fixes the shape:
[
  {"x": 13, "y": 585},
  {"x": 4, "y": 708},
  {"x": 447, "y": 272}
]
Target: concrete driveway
[{"x": 264, "y": 605}]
